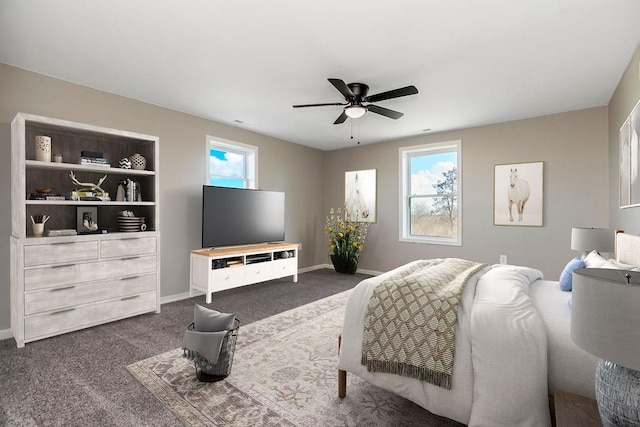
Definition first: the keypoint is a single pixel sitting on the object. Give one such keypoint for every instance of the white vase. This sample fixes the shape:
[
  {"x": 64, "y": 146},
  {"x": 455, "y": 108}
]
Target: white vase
[
  {"x": 43, "y": 148},
  {"x": 138, "y": 162}
]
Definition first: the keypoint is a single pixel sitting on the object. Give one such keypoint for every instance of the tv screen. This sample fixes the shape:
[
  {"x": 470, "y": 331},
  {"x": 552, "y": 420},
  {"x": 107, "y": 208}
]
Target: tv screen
[{"x": 234, "y": 216}]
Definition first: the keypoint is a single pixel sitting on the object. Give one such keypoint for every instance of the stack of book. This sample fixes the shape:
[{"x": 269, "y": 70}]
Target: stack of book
[
  {"x": 62, "y": 232},
  {"x": 234, "y": 263},
  {"x": 93, "y": 158},
  {"x": 46, "y": 196}
]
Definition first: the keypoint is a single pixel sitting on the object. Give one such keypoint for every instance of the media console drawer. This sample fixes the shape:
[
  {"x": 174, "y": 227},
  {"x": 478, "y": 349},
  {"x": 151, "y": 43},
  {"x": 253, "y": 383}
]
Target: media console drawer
[
  {"x": 258, "y": 272},
  {"x": 284, "y": 267},
  {"x": 226, "y": 278}
]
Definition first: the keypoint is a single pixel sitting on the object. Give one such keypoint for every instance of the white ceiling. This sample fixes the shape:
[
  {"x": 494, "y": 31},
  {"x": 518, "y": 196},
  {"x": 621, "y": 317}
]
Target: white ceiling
[{"x": 473, "y": 62}]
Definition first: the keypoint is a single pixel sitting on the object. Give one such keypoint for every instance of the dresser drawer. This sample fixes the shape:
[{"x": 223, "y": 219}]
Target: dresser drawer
[
  {"x": 68, "y": 274},
  {"x": 60, "y": 252},
  {"x": 127, "y": 246},
  {"x": 71, "y": 319},
  {"x": 67, "y": 296}
]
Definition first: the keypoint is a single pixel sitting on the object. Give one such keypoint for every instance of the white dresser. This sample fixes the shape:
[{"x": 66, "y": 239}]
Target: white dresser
[
  {"x": 79, "y": 282},
  {"x": 65, "y": 283}
]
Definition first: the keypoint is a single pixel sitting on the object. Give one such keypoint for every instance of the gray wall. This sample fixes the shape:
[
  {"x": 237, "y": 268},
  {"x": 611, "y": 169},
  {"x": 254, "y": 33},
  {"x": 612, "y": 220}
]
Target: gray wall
[
  {"x": 622, "y": 102},
  {"x": 283, "y": 166},
  {"x": 579, "y": 151},
  {"x": 573, "y": 147}
]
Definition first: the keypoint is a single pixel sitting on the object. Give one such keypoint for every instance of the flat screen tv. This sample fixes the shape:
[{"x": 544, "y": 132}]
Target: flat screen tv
[{"x": 234, "y": 216}]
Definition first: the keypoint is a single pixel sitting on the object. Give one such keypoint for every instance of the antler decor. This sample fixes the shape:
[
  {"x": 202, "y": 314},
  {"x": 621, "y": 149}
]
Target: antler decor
[{"x": 88, "y": 185}]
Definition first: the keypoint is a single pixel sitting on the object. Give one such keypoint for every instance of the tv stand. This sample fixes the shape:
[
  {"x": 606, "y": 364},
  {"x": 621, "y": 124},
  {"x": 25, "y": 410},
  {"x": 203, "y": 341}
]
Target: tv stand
[{"x": 218, "y": 269}]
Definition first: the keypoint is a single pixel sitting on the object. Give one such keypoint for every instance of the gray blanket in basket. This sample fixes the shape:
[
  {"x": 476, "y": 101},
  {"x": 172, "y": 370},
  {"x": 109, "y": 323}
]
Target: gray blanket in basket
[{"x": 203, "y": 344}]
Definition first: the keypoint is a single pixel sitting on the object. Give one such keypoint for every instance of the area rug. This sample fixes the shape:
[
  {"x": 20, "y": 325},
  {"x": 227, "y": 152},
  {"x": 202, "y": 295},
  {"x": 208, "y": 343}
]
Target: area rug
[{"x": 283, "y": 374}]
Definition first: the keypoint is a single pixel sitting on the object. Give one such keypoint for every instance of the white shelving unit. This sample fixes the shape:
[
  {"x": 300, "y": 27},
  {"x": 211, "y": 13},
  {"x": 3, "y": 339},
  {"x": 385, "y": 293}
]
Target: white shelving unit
[{"x": 66, "y": 283}]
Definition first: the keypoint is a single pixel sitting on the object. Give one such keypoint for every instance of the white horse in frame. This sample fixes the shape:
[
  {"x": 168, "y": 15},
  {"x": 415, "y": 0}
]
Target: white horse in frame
[
  {"x": 360, "y": 188},
  {"x": 518, "y": 193}
]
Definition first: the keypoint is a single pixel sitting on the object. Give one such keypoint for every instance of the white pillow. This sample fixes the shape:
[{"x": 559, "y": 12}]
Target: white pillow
[
  {"x": 594, "y": 260},
  {"x": 617, "y": 265}
]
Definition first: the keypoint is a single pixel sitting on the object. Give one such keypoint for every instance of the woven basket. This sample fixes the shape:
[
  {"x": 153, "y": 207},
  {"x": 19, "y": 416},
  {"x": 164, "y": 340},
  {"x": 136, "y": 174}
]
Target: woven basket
[{"x": 211, "y": 372}]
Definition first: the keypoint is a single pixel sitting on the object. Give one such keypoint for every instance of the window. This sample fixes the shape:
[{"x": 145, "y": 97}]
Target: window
[
  {"x": 431, "y": 193},
  {"x": 231, "y": 164}
]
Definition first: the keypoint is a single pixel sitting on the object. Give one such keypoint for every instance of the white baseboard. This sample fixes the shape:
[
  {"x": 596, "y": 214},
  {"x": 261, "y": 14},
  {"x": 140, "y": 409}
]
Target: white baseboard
[
  {"x": 313, "y": 267},
  {"x": 177, "y": 297},
  {"x": 5, "y": 334},
  {"x": 371, "y": 272}
]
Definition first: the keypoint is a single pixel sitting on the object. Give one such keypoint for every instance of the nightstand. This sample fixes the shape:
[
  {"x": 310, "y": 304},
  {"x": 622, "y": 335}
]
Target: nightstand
[{"x": 574, "y": 410}]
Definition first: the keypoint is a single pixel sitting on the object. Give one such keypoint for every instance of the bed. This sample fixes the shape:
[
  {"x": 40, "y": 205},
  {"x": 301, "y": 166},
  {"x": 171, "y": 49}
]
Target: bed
[{"x": 502, "y": 378}]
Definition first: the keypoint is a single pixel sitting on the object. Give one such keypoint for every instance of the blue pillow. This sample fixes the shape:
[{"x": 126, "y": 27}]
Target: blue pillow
[{"x": 566, "y": 277}]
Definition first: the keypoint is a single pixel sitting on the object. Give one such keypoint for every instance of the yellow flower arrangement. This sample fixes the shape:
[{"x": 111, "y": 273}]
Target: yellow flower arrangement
[{"x": 346, "y": 239}]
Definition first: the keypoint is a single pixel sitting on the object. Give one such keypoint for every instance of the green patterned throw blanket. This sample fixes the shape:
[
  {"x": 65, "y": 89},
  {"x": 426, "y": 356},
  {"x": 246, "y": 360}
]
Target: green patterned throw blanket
[{"x": 409, "y": 328}]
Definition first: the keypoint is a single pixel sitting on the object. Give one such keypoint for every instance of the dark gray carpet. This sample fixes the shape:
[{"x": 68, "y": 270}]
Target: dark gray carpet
[{"x": 79, "y": 379}]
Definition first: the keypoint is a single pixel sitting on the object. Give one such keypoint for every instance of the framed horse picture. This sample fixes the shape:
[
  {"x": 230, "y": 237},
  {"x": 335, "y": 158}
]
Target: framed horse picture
[
  {"x": 360, "y": 195},
  {"x": 518, "y": 194}
]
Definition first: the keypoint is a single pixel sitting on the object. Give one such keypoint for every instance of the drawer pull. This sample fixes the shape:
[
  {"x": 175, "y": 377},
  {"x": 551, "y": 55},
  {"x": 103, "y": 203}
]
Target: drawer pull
[
  {"x": 130, "y": 278},
  {"x": 129, "y": 258},
  {"x": 63, "y": 243},
  {"x": 130, "y": 238},
  {"x": 62, "y": 266},
  {"x": 62, "y": 289},
  {"x": 131, "y": 297},
  {"x": 66, "y": 310}
]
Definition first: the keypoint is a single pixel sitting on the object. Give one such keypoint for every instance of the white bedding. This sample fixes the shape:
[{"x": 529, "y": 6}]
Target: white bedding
[
  {"x": 499, "y": 374},
  {"x": 570, "y": 368}
]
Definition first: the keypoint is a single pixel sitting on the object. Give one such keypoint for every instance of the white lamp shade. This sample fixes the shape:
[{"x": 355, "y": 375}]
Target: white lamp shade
[
  {"x": 589, "y": 239},
  {"x": 605, "y": 314},
  {"x": 355, "y": 111}
]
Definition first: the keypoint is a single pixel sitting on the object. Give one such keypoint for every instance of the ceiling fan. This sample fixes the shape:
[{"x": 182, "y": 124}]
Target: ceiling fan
[{"x": 356, "y": 94}]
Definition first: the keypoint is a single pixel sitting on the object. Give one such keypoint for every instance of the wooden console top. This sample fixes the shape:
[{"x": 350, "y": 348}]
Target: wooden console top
[{"x": 238, "y": 250}]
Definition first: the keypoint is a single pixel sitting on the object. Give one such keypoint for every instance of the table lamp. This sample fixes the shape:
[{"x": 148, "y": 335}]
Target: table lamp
[
  {"x": 588, "y": 239},
  {"x": 605, "y": 321}
]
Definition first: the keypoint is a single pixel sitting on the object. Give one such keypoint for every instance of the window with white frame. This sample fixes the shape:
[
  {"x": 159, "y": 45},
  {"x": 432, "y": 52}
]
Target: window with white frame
[
  {"x": 431, "y": 193},
  {"x": 231, "y": 164}
]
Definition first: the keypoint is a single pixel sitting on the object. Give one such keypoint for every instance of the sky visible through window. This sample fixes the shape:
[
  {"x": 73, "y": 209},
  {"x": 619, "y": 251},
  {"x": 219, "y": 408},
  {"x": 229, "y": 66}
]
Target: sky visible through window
[
  {"x": 227, "y": 167},
  {"x": 427, "y": 170}
]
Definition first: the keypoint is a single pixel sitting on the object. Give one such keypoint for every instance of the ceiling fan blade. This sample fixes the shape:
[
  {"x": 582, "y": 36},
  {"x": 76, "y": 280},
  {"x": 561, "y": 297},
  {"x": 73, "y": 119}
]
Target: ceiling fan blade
[
  {"x": 342, "y": 87},
  {"x": 341, "y": 118},
  {"x": 385, "y": 111},
  {"x": 396, "y": 93},
  {"x": 317, "y": 105}
]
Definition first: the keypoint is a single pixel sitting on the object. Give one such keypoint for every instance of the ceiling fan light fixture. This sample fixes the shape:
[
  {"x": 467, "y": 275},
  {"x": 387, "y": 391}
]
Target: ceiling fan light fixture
[{"x": 355, "y": 111}]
